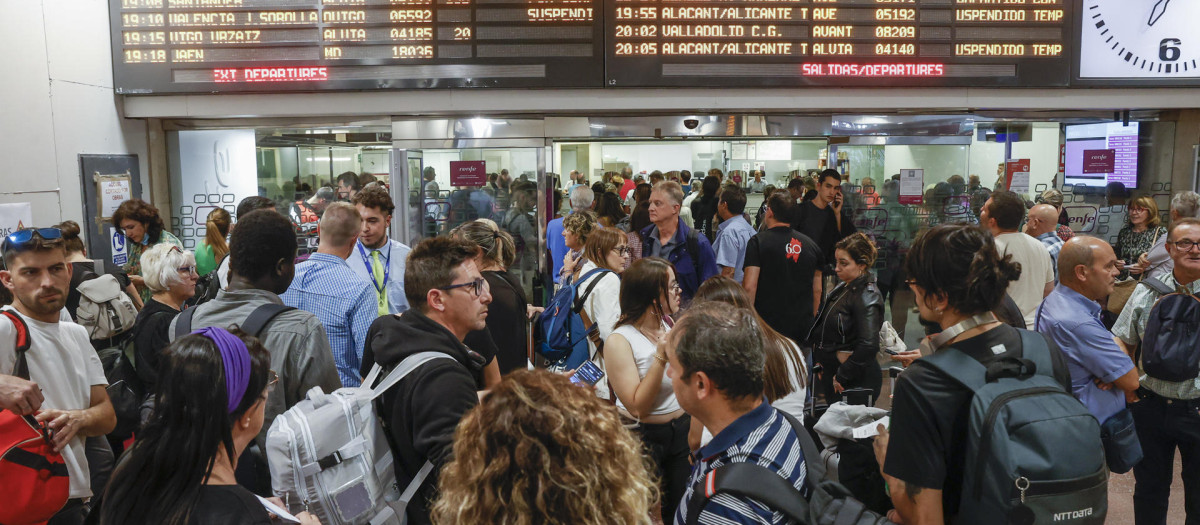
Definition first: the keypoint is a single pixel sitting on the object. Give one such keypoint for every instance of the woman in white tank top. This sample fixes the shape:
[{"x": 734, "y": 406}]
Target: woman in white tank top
[{"x": 636, "y": 365}]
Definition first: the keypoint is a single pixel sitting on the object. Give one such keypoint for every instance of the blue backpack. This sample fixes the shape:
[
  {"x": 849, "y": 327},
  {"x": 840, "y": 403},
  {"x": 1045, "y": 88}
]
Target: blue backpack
[{"x": 564, "y": 327}]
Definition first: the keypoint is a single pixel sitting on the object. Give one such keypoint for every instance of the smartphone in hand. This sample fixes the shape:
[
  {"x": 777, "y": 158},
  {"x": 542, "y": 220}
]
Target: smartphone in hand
[{"x": 588, "y": 374}]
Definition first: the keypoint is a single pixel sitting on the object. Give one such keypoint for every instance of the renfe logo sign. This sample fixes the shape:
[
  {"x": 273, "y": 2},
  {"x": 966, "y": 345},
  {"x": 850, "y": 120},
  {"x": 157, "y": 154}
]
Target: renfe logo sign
[
  {"x": 468, "y": 173},
  {"x": 1099, "y": 160}
]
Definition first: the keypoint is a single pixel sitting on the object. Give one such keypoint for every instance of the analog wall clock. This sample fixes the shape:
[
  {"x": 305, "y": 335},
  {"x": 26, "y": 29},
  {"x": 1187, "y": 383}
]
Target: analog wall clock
[{"x": 1140, "y": 39}]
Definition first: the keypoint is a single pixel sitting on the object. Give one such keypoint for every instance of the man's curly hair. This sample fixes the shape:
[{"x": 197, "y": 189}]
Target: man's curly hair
[{"x": 540, "y": 450}]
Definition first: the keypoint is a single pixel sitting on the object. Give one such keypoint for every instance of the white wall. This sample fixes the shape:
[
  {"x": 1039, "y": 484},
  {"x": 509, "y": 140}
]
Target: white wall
[{"x": 57, "y": 102}]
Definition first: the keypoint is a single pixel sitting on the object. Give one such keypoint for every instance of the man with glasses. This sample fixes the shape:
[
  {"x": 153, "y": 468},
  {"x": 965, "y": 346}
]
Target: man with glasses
[
  {"x": 1166, "y": 418},
  {"x": 61, "y": 361},
  {"x": 449, "y": 298}
]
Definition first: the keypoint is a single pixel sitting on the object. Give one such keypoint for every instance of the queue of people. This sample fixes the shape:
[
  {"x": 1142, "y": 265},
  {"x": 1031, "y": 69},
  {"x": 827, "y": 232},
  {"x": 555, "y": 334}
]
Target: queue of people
[{"x": 714, "y": 345}]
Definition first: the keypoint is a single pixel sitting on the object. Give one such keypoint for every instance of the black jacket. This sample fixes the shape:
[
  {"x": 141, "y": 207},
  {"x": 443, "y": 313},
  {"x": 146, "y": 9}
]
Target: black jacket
[
  {"x": 421, "y": 412},
  {"x": 850, "y": 320}
]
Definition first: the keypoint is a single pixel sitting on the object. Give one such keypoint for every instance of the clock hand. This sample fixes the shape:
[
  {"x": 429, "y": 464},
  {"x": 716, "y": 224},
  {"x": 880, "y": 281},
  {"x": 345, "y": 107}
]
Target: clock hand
[{"x": 1160, "y": 9}]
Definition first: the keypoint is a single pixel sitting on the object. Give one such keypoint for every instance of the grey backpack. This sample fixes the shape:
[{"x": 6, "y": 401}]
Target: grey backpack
[
  {"x": 104, "y": 309},
  {"x": 329, "y": 454},
  {"x": 1034, "y": 453}
]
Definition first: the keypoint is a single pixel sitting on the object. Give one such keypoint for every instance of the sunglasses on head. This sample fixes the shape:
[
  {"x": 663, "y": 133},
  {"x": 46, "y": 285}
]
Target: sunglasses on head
[{"x": 20, "y": 238}]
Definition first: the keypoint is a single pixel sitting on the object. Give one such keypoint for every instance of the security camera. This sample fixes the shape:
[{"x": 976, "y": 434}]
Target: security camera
[{"x": 691, "y": 123}]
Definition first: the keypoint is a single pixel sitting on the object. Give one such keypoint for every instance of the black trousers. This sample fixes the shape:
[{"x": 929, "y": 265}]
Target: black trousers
[
  {"x": 667, "y": 446},
  {"x": 1162, "y": 426}
]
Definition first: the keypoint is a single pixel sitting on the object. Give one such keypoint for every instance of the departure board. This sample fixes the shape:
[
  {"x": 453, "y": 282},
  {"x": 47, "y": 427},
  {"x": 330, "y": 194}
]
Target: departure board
[
  {"x": 190, "y": 46},
  {"x": 751, "y": 43}
]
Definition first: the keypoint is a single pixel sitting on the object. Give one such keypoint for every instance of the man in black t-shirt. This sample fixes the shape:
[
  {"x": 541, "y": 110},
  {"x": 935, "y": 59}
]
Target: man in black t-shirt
[
  {"x": 782, "y": 270},
  {"x": 927, "y": 443},
  {"x": 822, "y": 219}
]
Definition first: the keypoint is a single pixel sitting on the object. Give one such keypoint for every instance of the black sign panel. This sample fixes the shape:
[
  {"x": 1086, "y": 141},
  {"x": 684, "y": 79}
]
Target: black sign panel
[
  {"x": 738, "y": 43},
  {"x": 189, "y": 46}
]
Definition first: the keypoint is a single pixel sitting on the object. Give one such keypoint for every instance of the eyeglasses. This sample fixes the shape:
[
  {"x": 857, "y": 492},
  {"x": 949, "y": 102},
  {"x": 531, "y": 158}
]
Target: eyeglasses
[
  {"x": 21, "y": 237},
  {"x": 272, "y": 380},
  {"x": 1184, "y": 245},
  {"x": 477, "y": 286},
  {"x": 186, "y": 269},
  {"x": 910, "y": 282},
  {"x": 675, "y": 288},
  {"x": 623, "y": 250}
]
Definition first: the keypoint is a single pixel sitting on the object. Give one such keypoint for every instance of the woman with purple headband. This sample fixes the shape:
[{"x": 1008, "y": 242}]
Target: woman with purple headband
[{"x": 213, "y": 385}]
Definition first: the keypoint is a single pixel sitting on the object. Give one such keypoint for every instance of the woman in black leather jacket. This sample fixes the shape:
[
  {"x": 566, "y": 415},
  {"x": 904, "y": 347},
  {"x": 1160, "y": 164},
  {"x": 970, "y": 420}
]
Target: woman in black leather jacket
[{"x": 845, "y": 336}]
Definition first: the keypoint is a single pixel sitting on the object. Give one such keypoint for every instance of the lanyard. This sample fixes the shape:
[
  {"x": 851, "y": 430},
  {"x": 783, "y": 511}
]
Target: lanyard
[
  {"x": 938, "y": 340},
  {"x": 387, "y": 266}
]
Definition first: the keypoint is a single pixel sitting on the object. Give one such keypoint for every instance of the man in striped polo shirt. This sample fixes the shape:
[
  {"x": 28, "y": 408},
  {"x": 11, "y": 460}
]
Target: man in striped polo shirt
[{"x": 716, "y": 360}]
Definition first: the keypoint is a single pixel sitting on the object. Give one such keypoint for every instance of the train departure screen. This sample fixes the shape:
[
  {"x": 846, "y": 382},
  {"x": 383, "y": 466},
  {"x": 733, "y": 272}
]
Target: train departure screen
[
  {"x": 747, "y": 43},
  {"x": 173, "y": 46}
]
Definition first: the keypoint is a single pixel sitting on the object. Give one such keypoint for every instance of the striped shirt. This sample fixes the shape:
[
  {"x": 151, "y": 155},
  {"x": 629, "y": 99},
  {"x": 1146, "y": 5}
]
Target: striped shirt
[
  {"x": 761, "y": 436},
  {"x": 345, "y": 303}
]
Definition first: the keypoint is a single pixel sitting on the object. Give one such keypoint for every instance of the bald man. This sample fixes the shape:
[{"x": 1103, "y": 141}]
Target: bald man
[
  {"x": 1042, "y": 223},
  {"x": 1103, "y": 377}
]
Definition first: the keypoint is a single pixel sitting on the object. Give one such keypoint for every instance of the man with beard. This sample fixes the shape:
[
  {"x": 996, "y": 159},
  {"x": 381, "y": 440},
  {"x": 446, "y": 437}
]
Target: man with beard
[
  {"x": 60, "y": 358},
  {"x": 449, "y": 298}
]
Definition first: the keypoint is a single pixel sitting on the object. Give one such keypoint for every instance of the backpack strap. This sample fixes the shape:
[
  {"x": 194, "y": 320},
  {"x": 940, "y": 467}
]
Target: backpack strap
[
  {"x": 748, "y": 480},
  {"x": 972, "y": 374},
  {"x": 261, "y": 316},
  {"x": 22, "y": 343},
  {"x": 578, "y": 305},
  {"x": 693, "y": 247},
  {"x": 183, "y": 323},
  {"x": 1158, "y": 286},
  {"x": 403, "y": 368}
]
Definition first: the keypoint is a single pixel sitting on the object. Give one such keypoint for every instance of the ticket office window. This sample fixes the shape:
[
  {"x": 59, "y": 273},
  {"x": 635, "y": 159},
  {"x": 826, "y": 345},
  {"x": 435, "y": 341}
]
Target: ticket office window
[{"x": 444, "y": 193}]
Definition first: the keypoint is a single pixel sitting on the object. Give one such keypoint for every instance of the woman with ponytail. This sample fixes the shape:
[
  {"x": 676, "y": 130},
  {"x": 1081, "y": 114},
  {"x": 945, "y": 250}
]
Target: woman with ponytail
[
  {"x": 509, "y": 311},
  {"x": 845, "y": 335},
  {"x": 213, "y": 248},
  {"x": 180, "y": 469},
  {"x": 958, "y": 278}
]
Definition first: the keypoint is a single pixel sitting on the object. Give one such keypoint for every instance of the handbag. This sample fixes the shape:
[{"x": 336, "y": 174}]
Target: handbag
[
  {"x": 1123, "y": 289},
  {"x": 1122, "y": 449}
]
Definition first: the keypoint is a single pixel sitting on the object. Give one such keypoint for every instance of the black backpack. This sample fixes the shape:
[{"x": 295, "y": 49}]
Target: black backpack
[
  {"x": 828, "y": 503},
  {"x": 1168, "y": 347},
  {"x": 207, "y": 286}
]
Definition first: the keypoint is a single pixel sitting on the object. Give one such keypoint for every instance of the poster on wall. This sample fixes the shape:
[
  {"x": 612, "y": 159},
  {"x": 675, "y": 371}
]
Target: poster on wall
[
  {"x": 912, "y": 184},
  {"x": 15, "y": 216},
  {"x": 112, "y": 190},
  {"x": 1017, "y": 175},
  {"x": 214, "y": 169}
]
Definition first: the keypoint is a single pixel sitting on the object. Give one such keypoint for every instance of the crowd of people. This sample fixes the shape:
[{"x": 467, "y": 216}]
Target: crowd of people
[{"x": 720, "y": 338}]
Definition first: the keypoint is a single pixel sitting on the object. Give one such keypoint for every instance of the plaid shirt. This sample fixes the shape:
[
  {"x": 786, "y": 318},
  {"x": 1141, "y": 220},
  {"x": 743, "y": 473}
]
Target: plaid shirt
[
  {"x": 344, "y": 302},
  {"x": 1054, "y": 245}
]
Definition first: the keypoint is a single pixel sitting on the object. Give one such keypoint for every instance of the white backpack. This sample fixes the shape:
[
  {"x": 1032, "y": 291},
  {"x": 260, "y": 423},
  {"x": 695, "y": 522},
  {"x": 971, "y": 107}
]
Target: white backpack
[
  {"x": 329, "y": 455},
  {"x": 104, "y": 309}
]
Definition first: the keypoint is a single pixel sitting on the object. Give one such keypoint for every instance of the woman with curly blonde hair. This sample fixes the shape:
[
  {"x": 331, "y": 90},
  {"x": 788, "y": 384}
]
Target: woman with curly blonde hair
[{"x": 541, "y": 450}]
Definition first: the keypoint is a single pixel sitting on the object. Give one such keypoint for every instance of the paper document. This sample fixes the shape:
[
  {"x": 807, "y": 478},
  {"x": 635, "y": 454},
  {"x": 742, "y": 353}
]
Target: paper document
[
  {"x": 869, "y": 430},
  {"x": 278, "y": 511}
]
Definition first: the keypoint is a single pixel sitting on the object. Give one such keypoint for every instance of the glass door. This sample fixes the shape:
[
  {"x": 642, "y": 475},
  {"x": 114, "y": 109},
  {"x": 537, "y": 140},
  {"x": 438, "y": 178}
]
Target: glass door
[{"x": 447, "y": 187}]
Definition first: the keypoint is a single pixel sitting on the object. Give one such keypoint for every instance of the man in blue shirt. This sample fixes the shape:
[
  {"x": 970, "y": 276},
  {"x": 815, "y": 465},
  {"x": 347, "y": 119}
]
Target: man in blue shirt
[
  {"x": 1070, "y": 317},
  {"x": 715, "y": 356},
  {"x": 377, "y": 258},
  {"x": 668, "y": 237},
  {"x": 345, "y": 302},
  {"x": 581, "y": 198},
  {"x": 733, "y": 233}
]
